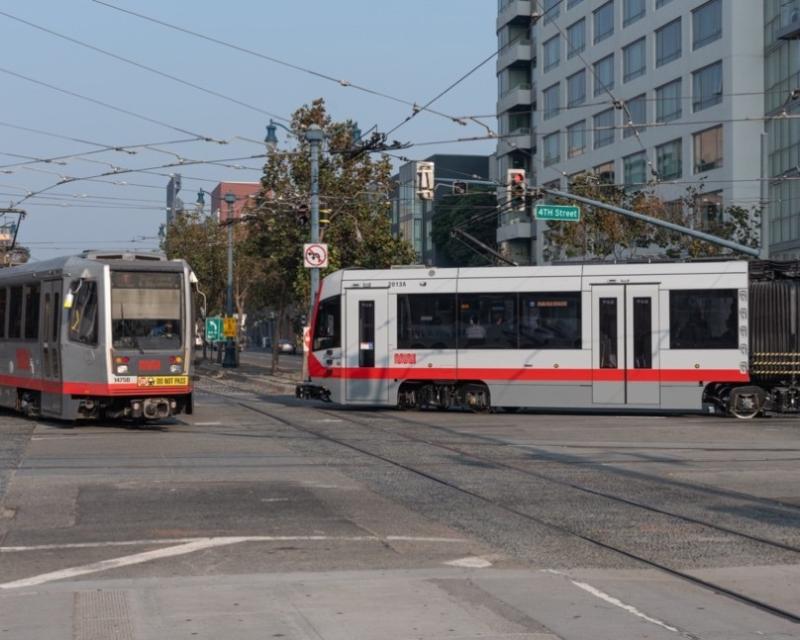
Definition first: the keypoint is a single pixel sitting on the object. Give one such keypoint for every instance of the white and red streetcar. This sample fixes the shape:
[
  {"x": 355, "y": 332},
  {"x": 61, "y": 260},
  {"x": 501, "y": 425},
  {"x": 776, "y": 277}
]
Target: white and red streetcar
[{"x": 718, "y": 336}]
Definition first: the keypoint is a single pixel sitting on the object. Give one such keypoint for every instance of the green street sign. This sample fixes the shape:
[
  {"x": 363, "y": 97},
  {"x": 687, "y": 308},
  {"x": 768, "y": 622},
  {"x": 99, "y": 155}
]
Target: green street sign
[
  {"x": 213, "y": 329},
  {"x": 557, "y": 212}
]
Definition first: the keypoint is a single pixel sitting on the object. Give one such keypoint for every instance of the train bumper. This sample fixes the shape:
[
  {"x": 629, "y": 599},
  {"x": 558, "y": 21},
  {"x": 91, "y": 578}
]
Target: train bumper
[{"x": 308, "y": 391}]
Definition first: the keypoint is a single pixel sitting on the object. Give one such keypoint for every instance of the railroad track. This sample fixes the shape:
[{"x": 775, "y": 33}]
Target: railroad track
[{"x": 594, "y": 540}]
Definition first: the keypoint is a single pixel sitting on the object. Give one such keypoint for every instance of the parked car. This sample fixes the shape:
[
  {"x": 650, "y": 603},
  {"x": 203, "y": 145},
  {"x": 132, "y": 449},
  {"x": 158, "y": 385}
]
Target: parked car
[{"x": 286, "y": 346}]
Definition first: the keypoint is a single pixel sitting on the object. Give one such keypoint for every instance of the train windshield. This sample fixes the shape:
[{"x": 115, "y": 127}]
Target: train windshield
[{"x": 145, "y": 310}]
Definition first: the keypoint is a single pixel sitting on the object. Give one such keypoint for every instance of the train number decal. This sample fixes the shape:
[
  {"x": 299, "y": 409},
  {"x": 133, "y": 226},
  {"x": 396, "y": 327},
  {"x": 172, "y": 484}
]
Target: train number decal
[{"x": 405, "y": 358}]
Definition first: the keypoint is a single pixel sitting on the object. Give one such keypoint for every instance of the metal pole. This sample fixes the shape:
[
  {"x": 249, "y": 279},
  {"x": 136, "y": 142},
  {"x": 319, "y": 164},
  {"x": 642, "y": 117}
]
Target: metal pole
[
  {"x": 230, "y": 344},
  {"x": 764, "y": 240},
  {"x": 729, "y": 244},
  {"x": 314, "y": 136}
]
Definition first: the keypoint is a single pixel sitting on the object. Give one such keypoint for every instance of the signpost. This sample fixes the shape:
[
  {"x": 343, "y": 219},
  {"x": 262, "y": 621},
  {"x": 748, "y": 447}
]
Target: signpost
[
  {"x": 315, "y": 255},
  {"x": 229, "y": 327},
  {"x": 213, "y": 329},
  {"x": 561, "y": 213}
]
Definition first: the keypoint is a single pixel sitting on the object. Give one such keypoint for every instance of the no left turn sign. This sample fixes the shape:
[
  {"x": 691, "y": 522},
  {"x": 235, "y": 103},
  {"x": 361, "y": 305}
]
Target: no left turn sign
[{"x": 315, "y": 255}]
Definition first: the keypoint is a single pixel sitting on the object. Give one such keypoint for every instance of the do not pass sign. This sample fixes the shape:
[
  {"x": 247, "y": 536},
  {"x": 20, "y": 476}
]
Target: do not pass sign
[{"x": 315, "y": 255}]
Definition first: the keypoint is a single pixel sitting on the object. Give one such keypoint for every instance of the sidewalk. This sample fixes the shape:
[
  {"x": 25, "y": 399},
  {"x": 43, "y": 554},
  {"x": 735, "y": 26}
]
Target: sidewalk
[{"x": 247, "y": 371}]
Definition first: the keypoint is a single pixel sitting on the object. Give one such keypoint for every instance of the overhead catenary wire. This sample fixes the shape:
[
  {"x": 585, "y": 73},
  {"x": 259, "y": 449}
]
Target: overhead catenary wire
[
  {"x": 112, "y": 107},
  {"x": 145, "y": 67},
  {"x": 290, "y": 65}
]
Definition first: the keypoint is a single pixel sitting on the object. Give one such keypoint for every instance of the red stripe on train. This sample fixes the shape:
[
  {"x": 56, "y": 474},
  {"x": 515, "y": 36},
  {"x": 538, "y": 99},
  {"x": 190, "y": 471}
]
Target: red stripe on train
[
  {"x": 89, "y": 388},
  {"x": 316, "y": 369}
]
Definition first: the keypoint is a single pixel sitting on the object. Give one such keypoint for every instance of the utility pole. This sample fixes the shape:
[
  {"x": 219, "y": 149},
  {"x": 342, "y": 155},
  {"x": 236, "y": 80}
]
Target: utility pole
[
  {"x": 230, "y": 344},
  {"x": 314, "y": 136}
]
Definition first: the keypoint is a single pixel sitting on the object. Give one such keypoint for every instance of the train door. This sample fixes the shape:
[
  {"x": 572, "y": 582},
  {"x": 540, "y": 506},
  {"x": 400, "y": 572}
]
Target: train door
[
  {"x": 366, "y": 345},
  {"x": 625, "y": 346},
  {"x": 49, "y": 337}
]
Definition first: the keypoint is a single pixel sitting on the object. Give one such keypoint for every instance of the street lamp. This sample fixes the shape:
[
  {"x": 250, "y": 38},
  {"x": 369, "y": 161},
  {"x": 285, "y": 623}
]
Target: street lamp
[{"x": 230, "y": 344}]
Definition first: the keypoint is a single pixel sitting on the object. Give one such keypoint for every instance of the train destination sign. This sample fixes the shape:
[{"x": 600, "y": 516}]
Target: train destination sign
[{"x": 564, "y": 213}]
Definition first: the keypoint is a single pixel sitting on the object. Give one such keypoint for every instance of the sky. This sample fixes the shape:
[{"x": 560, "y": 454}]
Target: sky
[{"x": 410, "y": 50}]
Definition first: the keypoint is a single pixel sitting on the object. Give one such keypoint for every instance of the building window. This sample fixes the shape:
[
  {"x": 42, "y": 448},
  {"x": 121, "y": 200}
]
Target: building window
[
  {"x": 708, "y": 149},
  {"x": 576, "y": 88},
  {"x": 707, "y": 86},
  {"x": 635, "y": 169},
  {"x": 632, "y": 10},
  {"x": 668, "y": 43},
  {"x": 551, "y": 53},
  {"x": 635, "y": 115},
  {"x": 661, "y": 3},
  {"x": 552, "y": 149},
  {"x": 707, "y": 24},
  {"x": 573, "y": 3},
  {"x": 634, "y": 60},
  {"x": 708, "y": 209},
  {"x": 604, "y": 75},
  {"x": 552, "y": 9},
  {"x": 576, "y": 139},
  {"x": 668, "y": 101},
  {"x": 604, "y": 129},
  {"x": 552, "y": 101},
  {"x": 576, "y": 38},
  {"x": 605, "y": 173},
  {"x": 668, "y": 160},
  {"x": 604, "y": 22}
]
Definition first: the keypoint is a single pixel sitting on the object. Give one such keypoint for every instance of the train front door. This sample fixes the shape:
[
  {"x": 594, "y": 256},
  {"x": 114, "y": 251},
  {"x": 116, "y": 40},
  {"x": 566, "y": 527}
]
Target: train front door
[
  {"x": 366, "y": 345},
  {"x": 49, "y": 338},
  {"x": 625, "y": 344}
]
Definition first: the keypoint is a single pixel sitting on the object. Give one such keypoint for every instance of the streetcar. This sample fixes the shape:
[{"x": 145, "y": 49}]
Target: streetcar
[
  {"x": 100, "y": 334},
  {"x": 714, "y": 336}
]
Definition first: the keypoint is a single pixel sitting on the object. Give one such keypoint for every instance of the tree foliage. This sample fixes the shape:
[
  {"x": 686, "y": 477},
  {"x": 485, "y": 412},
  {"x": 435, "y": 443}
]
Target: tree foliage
[
  {"x": 603, "y": 234},
  {"x": 472, "y": 211}
]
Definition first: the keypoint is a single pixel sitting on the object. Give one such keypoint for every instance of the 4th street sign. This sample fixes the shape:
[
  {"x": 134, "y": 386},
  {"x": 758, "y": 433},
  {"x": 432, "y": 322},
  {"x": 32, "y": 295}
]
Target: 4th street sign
[{"x": 558, "y": 212}]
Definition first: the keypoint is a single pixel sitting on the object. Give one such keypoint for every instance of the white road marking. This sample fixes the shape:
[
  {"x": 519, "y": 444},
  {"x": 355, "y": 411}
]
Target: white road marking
[
  {"x": 597, "y": 593},
  {"x": 206, "y": 424},
  {"x": 474, "y": 562},
  {"x": 188, "y": 545}
]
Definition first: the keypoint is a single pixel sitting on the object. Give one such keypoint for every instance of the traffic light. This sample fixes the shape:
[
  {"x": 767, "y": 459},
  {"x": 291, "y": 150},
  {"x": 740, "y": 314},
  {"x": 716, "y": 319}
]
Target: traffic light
[
  {"x": 516, "y": 188},
  {"x": 459, "y": 188}
]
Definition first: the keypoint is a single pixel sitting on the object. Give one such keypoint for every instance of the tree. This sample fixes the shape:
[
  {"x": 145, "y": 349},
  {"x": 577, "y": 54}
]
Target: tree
[
  {"x": 475, "y": 213},
  {"x": 354, "y": 198},
  {"x": 602, "y": 233}
]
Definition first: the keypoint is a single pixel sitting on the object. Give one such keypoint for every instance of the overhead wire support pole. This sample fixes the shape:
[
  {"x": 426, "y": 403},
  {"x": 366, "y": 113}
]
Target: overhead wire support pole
[
  {"x": 21, "y": 213},
  {"x": 700, "y": 235}
]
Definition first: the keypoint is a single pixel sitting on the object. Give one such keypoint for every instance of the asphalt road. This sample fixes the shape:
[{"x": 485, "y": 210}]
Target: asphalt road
[{"x": 261, "y": 516}]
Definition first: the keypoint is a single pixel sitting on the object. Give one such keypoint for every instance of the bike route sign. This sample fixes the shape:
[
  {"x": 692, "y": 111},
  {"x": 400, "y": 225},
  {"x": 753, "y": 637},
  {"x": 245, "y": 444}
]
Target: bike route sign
[
  {"x": 558, "y": 212},
  {"x": 213, "y": 329}
]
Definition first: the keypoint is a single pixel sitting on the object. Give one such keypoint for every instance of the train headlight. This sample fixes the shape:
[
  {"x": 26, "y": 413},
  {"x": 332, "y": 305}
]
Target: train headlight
[
  {"x": 122, "y": 368},
  {"x": 175, "y": 368}
]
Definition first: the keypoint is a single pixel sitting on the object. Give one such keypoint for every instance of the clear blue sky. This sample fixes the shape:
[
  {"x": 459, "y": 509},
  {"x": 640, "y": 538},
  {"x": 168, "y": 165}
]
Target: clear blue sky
[{"x": 411, "y": 50}]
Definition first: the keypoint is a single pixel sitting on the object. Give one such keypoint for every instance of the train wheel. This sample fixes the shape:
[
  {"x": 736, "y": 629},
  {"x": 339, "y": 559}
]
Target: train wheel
[
  {"x": 407, "y": 399},
  {"x": 746, "y": 402},
  {"x": 475, "y": 397}
]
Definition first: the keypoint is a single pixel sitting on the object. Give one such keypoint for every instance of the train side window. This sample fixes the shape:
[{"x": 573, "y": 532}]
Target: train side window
[
  {"x": 83, "y": 313},
  {"x": 3, "y": 305},
  {"x": 426, "y": 321},
  {"x": 550, "y": 320},
  {"x": 32, "y": 312},
  {"x": 15, "y": 312},
  {"x": 56, "y": 315},
  {"x": 328, "y": 328},
  {"x": 487, "y": 321},
  {"x": 703, "y": 319}
]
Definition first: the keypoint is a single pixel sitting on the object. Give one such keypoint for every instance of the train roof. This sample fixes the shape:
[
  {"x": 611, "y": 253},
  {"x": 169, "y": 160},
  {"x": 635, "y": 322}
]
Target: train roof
[
  {"x": 87, "y": 259},
  {"x": 572, "y": 270}
]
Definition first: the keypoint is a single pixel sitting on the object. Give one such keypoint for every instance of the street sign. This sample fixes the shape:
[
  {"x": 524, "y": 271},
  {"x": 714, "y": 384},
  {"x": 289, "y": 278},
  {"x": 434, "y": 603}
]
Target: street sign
[
  {"x": 229, "y": 327},
  {"x": 559, "y": 212},
  {"x": 213, "y": 329},
  {"x": 315, "y": 255}
]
